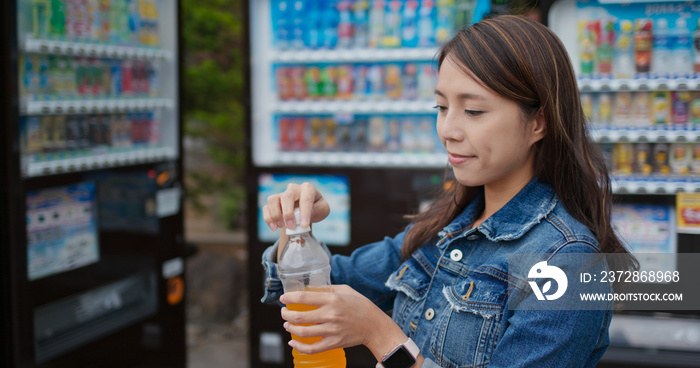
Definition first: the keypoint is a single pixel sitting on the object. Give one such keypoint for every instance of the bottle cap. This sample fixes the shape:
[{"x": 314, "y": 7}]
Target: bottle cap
[{"x": 298, "y": 229}]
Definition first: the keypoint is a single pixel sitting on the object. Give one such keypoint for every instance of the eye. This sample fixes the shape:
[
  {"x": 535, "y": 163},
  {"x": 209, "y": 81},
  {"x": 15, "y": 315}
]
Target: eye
[
  {"x": 473, "y": 112},
  {"x": 440, "y": 108}
]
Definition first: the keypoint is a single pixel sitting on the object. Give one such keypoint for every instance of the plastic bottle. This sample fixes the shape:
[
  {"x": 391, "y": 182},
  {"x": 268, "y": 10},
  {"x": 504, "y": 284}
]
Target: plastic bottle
[
  {"x": 682, "y": 54},
  {"x": 465, "y": 13},
  {"x": 604, "y": 53},
  {"x": 57, "y": 23},
  {"x": 696, "y": 46},
  {"x": 409, "y": 34},
  {"x": 392, "y": 24},
  {"x": 445, "y": 20},
  {"x": 643, "y": 39},
  {"x": 376, "y": 24},
  {"x": 661, "y": 57},
  {"x": 281, "y": 17},
  {"x": 296, "y": 34},
  {"x": 329, "y": 24},
  {"x": 360, "y": 23},
  {"x": 624, "y": 52},
  {"x": 305, "y": 265},
  {"x": 426, "y": 24},
  {"x": 41, "y": 15},
  {"x": 587, "y": 46},
  {"x": 312, "y": 21},
  {"x": 345, "y": 24}
]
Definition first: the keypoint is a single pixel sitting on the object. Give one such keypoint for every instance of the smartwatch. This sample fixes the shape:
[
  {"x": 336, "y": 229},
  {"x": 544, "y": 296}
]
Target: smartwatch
[{"x": 403, "y": 356}]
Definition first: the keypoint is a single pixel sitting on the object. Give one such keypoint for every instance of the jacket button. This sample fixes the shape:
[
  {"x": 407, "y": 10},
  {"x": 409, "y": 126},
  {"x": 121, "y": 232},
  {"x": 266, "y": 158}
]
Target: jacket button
[
  {"x": 473, "y": 237},
  {"x": 429, "y": 314},
  {"x": 456, "y": 255}
]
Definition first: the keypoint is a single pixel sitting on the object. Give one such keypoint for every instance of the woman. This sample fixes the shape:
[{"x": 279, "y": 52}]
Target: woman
[{"x": 528, "y": 181}]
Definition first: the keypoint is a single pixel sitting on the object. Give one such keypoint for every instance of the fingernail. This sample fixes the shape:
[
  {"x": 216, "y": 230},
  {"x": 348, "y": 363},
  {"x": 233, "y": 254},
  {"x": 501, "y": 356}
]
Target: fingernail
[
  {"x": 273, "y": 226},
  {"x": 280, "y": 223},
  {"x": 282, "y": 298},
  {"x": 286, "y": 326},
  {"x": 290, "y": 224}
]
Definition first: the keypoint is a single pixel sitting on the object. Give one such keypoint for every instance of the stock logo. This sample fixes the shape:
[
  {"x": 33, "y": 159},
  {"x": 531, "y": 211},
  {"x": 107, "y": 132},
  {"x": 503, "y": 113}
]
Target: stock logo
[{"x": 543, "y": 271}]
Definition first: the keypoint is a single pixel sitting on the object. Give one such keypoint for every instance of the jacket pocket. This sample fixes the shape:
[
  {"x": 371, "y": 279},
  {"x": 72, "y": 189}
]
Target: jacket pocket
[
  {"x": 470, "y": 324},
  {"x": 411, "y": 281}
]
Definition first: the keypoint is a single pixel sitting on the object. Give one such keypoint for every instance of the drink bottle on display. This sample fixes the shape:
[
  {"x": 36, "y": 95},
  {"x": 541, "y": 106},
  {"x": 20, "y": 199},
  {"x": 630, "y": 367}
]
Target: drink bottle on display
[
  {"x": 643, "y": 39},
  {"x": 696, "y": 47},
  {"x": 305, "y": 265},
  {"x": 376, "y": 23},
  {"x": 360, "y": 20},
  {"x": 624, "y": 52},
  {"x": 682, "y": 54},
  {"x": 661, "y": 56}
]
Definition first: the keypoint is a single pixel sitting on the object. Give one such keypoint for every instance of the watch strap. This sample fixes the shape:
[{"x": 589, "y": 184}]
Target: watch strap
[{"x": 410, "y": 346}]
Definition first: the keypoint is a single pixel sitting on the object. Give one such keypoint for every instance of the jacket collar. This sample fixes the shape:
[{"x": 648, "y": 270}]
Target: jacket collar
[{"x": 533, "y": 203}]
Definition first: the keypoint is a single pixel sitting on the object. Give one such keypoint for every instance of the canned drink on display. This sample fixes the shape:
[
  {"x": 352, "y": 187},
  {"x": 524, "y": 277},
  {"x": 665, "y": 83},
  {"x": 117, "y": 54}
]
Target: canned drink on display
[
  {"x": 361, "y": 85},
  {"x": 299, "y": 134},
  {"x": 660, "y": 107},
  {"x": 392, "y": 83},
  {"x": 695, "y": 160},
  {"x": 359, "y": 134},
  {"x": 409, "y": 80},
  {"x": 661, "y": 159},
  {"x": 46, "y": 133},
  {"x": 680, "y": 158},
  {"x": 426, "y": 82},
  {"x": 377, "y": 136},
  {"x": 680, "y": 107},
  {"x": 623, "y": 158},
  {"x": 425, "y": 135},
  {"x": 284, "y": 90},
  {"x": 393, "y": 139},
  {"x": 343, "y": 131},
  {"x": 345, "y": 87},
  {"x": 643, "y": 159},
  {"x": 298, "y": 86},
  {"x": 587, "y": 105},
  {"x": 285, "y": 133},
  {"x": 605, "y": 108},
  {"x": 328, "y": 86},
  {"x": 408, "y": 135},
  {"x": 316, "y": 133},
  {"x": 330, "y": 142},
  {"x": 642, "y": 108},
  {"x": 375, "y": 81},
  {"x": 59, "y": 133},
  {"x": 622, "y": 114},
  {"x": 695, "y": 105},
  {"x": 312, "y": 80}
]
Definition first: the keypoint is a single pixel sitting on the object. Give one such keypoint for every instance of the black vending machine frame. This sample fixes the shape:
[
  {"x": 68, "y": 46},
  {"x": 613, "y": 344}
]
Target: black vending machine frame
[{"x": 157, "y": 340}]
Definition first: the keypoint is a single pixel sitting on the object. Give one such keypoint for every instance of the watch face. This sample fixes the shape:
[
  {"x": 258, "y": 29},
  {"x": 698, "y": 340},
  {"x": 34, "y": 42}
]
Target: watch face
[{"x": 400, "y": 358}]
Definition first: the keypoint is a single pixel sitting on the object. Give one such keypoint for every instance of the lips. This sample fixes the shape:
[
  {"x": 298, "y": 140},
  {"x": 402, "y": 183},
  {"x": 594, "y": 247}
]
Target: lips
[{"x": 456, "y": 159}]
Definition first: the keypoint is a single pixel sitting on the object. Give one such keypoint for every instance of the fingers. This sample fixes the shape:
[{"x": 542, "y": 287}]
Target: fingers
[
  {"x": 279, "y": 210},
  {"x": 305, "y": 332}
]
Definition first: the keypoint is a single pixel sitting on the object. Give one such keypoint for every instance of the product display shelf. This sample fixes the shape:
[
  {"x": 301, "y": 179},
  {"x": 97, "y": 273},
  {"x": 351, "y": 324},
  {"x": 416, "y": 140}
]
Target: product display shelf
[
  {"x": 94, "y": 50},
  {"x": 354, "y": 106},
  {"x": 655, "y": 185},
  {"x": 353, "y": 55},
  {"x": 364, "y": 159},
  {"x": 31, "y": 167},
  {"x": 644, "y": 134},
  {"x": 587, "y": 84},
  {"x": 89, "y": 106}
]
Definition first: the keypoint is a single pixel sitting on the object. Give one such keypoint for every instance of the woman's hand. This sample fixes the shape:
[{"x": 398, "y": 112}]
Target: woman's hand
[
  {"x": 279, "y": 210},
  {"x": 344, "y": 318}
]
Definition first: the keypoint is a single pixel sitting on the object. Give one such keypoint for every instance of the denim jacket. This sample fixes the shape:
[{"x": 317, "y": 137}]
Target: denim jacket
[{"x": 451, "y": 295}]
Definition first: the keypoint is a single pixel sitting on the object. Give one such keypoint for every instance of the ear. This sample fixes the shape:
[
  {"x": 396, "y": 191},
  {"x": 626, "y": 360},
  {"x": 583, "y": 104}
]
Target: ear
[{"x": 538, "y": 127}]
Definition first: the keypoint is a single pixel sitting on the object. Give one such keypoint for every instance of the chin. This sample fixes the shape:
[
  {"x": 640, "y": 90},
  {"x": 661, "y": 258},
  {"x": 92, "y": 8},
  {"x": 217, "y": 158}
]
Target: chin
[{"x": 469, "y": 180}]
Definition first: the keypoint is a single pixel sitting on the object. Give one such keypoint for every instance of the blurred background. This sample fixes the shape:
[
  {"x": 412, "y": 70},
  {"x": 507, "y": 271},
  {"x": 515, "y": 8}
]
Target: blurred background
[{"x": 141, "y": 137}]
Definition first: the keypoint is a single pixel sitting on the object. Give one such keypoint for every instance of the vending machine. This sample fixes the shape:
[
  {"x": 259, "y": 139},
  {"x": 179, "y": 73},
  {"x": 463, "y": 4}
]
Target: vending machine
[
  {"x": 342, "y": 96},
  {"x": 92, "y": 227},
  {"x": 638, "y": 65}
]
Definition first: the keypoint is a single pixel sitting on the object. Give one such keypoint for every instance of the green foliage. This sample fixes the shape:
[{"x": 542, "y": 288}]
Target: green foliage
[{"x": 214, "y": 100}]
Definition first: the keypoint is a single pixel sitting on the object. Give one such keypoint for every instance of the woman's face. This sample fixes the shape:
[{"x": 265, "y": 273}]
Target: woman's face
[{"x": 486, "y": 140}]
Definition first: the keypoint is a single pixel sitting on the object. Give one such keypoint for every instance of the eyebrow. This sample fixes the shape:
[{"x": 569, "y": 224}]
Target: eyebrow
[{"x": 463, "y": 96}]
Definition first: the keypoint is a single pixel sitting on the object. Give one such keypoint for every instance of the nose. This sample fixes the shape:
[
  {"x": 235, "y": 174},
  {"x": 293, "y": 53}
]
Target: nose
[{"x": 450, "y": 126}]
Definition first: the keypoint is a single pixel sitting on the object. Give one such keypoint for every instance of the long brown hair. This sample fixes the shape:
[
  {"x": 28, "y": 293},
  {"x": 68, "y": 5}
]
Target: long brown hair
[{"x": 524, "y": 61}]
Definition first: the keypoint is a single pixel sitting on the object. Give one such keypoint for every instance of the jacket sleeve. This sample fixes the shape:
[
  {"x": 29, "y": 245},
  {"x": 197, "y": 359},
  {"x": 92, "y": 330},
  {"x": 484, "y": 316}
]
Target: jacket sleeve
[
  {"x": 573, "y": 334},
  {"x": 365, "y": 270}
]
